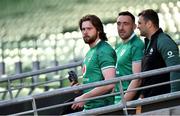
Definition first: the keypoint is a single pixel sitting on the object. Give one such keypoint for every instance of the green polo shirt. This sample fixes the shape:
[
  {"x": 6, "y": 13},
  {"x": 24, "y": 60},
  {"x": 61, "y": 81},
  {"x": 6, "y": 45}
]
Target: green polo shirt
[
  {"x": 98, "y": 58},
  {"x": 127, "y": 53}
]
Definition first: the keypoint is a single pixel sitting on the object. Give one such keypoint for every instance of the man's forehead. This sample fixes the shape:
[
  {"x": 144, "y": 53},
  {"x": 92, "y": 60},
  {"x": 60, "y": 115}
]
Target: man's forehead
[
  {"x": 87, "y": 24},
  {"x": 124, "y": 18}
]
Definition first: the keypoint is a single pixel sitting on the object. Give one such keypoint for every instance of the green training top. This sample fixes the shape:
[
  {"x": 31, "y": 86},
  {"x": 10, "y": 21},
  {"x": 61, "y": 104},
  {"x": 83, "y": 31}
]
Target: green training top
[
  {"x": 98, "y": 58},
  {"x": 170, "y": 54},
  {"x": 127, "y": 52}
]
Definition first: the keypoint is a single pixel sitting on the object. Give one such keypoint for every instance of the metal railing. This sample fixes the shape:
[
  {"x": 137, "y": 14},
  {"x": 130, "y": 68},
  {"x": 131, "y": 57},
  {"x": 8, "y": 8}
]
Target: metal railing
[
  {"x": 11, "y": 78},
  {"x": 65, "y": 90}
]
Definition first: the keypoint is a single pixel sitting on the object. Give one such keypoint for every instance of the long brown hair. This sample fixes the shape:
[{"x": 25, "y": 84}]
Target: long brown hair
[{"x": 96, "y": 22}]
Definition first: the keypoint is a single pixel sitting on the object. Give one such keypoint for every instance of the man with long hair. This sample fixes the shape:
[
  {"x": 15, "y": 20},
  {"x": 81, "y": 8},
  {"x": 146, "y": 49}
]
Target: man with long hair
[{"x": 99, "y": 63}]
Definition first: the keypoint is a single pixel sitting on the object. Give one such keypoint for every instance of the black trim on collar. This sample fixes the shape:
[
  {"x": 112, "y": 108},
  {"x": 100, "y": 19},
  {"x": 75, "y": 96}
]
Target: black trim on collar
[{"x": 156, "y": 33}]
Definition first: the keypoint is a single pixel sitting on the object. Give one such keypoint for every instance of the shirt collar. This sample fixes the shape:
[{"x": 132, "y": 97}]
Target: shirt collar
[
  {"x": 153, "y": 36},
  {"x": 97, "y": 41},
  {"x": 133, "y": 34},
  {"x": 156, "y": 33}
]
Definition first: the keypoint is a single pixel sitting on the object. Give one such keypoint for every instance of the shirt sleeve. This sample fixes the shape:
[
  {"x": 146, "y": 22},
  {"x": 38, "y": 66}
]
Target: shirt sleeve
[
  {"x": 137, "y": 53},
  {"x": 107, "y": 58},
  {"x": 170, "y": 53},
  {"x": 169, "y": 50}
]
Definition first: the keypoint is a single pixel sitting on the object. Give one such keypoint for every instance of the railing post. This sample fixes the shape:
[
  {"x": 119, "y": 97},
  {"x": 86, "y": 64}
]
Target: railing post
[
  {"x": 9, "y": 89},
  {"x": 35, "y": 78},
  {"x": 18, "y": 70},
  {"x": 2, "y": 68},
  {"x": 34, "y": 107},
  {"x": 122, "y": 98},
  {"x": 18, "y": 67},
  {"x": 36, "y": 66}
]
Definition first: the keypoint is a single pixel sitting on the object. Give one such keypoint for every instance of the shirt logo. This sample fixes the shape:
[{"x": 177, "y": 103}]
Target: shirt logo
[
  {"x": 122, "y": 52},
  {"x": 151, "y": 51},
  {"x": 89, "y": 58},
  {"x": 117, "y": 72},
  {"x": 170, "y": 54}
]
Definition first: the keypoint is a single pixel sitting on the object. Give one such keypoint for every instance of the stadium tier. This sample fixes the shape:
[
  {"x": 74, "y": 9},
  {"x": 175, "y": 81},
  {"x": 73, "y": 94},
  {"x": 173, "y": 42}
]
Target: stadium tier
[{"x": 40, "y": 34}]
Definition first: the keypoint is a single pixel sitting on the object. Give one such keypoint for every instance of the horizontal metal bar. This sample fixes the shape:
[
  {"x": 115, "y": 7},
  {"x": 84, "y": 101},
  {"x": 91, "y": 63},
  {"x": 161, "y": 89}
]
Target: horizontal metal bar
[
  {"x": 22, "y": 113},
  {"x": 34, "y": 85},
  {"x": 16, "y": 100},
  {"x": 105, "y": 82},
  {"x": 119, "y": 106},
  {"x": 150, "y": 86},
  {"x": 42, "y": 71}
]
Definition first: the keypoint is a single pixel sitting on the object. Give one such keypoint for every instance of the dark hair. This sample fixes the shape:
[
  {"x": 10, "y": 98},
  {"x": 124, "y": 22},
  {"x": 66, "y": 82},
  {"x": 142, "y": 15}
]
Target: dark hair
[
  {"x": 96, "y": 22},
  {"x": 151, "y": 15},
  {"x": 128, "y": 14}
]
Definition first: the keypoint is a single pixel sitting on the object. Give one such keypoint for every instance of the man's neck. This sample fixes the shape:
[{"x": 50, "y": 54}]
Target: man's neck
[
  {"x": 152, "y": 32},
  {"x": 132, "y": 35},
  {"x": 94, "y": 43}
]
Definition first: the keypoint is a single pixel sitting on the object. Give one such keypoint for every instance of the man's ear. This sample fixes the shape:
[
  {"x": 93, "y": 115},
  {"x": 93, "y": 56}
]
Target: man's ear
[{"x": 149, "y": 24}]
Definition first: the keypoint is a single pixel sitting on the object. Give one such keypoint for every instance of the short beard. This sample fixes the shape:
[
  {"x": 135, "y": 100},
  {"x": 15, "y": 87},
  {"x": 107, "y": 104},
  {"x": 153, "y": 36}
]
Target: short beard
[{"x": 90, "y": 40}]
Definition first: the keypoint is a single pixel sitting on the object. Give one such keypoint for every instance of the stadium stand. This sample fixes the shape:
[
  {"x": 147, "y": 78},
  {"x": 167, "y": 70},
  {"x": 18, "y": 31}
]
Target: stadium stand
[
  {"x": 43, "y": 26},
  {"x": 36, "y": 36}
]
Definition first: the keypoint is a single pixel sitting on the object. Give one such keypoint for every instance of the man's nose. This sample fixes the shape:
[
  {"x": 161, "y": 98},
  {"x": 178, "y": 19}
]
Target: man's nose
[
  {"x": 120, "y": 27},
  {"x": 138, "y": 26},
  {"x": 84, "y": 31}
]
